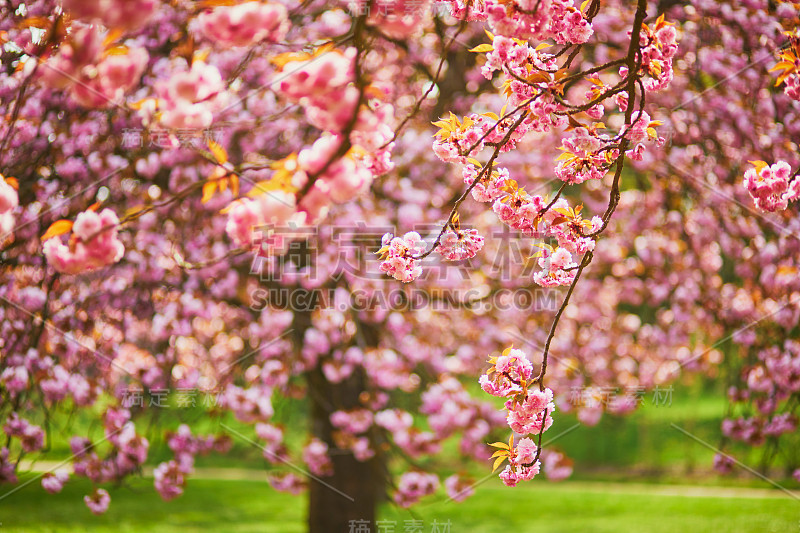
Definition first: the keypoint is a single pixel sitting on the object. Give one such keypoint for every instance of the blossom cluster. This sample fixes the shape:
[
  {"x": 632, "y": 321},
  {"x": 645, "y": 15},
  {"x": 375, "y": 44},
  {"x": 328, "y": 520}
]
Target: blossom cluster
[
  {"x": 773, "y": 380},
  {"x": 7, "y": 467},
  {"x": 169, "y": 477},
  {"x": 336, "y": 180},
  {"x": 557, "y": 266},
  {"x": 641, "y": 132},
  {"x": 288, "y": 482},
  {"x": 459, "y": 244},
  {"x": 271, "y": 217},
  {"x": 399, "y": 256},
  {"x": 128, "y": 453},
  {"x": 517, "y": 59},
  {"x": 397, "y": 19},
  {"x": 772, "y": 187},
  {"x": 556, "y": 465},
  {"x": 190, "y": 97},
  {"x": 658, "y": 47},
  {"x": 324, "y": 82},
  {"x": 412, "y": 486},
  {"x": 98, "y": 501},
  {"x": 789, "y": 65},
  {"x": 30, "y": 436},
  {"x": 449, "y": 406},
  {"x": 540, "y": 20},
  {"x": 244, "y": 24},
  {"x": 352, "y": 427},
  {"x": 411, "y": 440},
  {"x": 119, "y": 14},
  {"x": 532, "y": 81},
  {"x": 315, "y": 456},
  {"x": 529, "y": 412},
  {"x": 457, "y": 139},
  {"x": 251, "y": 404},
  {"x": 53, "y": 482},
  {"x": 95, "y": 77},
  {"x": 54, "y": 380},
  {"x": 534, "y": 216},
  {"x": 274, "y": 450},
  {"x": 458, "y": 487},
  {"x": 583, "y": 158},
  {"x": 258, "y": 220},
  {"x": 93, "y": 244}
]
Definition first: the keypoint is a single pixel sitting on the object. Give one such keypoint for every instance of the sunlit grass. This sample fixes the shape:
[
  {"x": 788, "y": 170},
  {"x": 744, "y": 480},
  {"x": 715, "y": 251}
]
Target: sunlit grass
[{"x": 244, "y": 506}]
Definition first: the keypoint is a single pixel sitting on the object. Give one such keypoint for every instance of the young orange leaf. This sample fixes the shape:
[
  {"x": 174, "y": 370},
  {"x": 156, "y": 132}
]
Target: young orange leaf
[
  {"x": 209, "y": 188},
  {"x": 281, "y": 60},
  {"x": 760, "y": 165},
  {"x": 200, "y": 56},
  {"x": 782, "y": 78},
  {"x": 538, "y": 77},
  {"x": 112, "y": 36},
  {"x": 220, "y": 154},
  {"x": 60, "y": 227},
  {"x": 481, "y": 48},
  {"x": 120, "y": 50}
]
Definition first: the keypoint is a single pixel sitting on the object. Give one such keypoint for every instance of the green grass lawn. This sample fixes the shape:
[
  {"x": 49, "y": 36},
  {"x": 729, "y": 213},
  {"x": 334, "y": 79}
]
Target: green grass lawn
[
  {"x": 239, "y": 506},
  {"x": 642, "y": 447}
]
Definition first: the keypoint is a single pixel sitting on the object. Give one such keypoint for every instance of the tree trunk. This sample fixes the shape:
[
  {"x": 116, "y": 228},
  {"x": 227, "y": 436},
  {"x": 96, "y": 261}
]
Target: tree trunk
[{"x": 350, "y": 495}]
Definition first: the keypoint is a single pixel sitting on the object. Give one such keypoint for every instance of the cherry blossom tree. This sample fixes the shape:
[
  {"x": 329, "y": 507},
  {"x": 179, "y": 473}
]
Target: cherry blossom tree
[{"x": 349, "y": 207}]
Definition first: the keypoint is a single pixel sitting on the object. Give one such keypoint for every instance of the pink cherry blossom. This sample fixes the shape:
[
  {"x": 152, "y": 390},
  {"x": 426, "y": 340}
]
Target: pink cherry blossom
[
  {"x": 460, "y": 244},
  {"x": 94, "y": 244},
  {"x": 412, "y": 486},
  {"x": 168, "y": 480},
  {"x": 315, "y": 455},
  {"x": 772, "y": 187},
  {"x": 245, "y": 24},
  {"x": 54, "y": 482},
  {"x": 399, "y": 256},
  {"x": 98, "y": 501}
]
